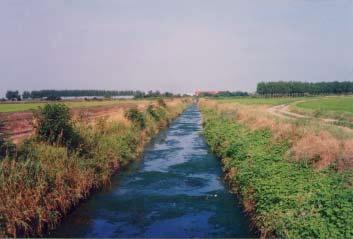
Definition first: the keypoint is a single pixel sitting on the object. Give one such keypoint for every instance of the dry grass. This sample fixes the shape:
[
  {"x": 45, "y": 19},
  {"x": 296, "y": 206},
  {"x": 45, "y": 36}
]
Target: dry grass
[
  {"x": 346, "y": 162},
  {"x": 319, "y": 150},
  {"x": 313, "y": 142}
]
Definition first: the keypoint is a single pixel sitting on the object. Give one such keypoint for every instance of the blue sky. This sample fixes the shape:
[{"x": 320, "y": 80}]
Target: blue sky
[{"x": 173, "y": 45}]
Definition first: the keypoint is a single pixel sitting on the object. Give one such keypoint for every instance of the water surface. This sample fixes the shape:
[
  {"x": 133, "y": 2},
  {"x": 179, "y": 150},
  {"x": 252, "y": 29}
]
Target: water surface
[{"x": 175, "y": 190}]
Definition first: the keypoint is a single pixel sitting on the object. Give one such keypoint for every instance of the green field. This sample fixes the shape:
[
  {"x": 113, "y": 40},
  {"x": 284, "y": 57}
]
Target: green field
[
  {"x": 337, "y": 104},
  {"x": 18, "y": 107}
]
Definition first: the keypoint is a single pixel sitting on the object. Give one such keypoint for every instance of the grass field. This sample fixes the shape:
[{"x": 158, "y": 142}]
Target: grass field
[
  {"x": 18, "y": 107},
  {"x": 338, "y": 104}
]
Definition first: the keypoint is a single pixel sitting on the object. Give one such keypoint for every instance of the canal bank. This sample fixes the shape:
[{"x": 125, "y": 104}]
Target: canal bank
[{"x": 175, "y": 190}]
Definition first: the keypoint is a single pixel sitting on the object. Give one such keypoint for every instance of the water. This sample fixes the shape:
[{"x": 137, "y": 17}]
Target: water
[{"x": 176, "y": 190}]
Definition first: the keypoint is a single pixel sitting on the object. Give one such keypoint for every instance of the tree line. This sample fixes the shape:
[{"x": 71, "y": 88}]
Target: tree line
[
  {"x": 38, "y": 94},
  {"x": 57, "y": 94},
  {"x": 297, "y": 88},
  {"x": 223, "y": 94}
]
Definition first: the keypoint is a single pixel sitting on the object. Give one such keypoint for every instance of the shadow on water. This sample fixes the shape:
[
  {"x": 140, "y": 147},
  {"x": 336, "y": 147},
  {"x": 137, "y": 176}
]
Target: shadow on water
[{"x": 176, "y": 190}]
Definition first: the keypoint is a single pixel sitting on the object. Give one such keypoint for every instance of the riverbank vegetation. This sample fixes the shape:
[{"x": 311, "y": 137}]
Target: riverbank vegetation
[
  {"x": 294, "y": 176},
  {"x": 69, "y": 158}
]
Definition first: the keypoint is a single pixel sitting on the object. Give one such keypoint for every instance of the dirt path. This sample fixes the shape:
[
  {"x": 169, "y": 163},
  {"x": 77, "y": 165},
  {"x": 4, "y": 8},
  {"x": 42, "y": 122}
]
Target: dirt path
[{"x": 284, "y": 112}]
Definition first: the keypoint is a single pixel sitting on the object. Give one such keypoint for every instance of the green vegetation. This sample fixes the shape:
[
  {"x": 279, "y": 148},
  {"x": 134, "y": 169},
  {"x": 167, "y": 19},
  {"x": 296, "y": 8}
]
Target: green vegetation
[
  {"x": 55, "y": 126},
  {"x": 136, "y": 117},
  {"x": 284, "y": 198},
  {"x": 339, "y": 108},
  {"x": 337, "y": 104},
  {"x": 296, "y": 88},
  {"x": 45, "y": 179}
]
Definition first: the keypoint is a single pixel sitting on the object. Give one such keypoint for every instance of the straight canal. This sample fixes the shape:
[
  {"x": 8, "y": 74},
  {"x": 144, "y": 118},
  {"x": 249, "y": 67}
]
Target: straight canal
[{"x": 176, "y": 190}]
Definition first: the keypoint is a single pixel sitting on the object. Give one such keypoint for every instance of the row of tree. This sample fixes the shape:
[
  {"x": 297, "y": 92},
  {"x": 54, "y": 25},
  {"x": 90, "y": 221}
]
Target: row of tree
[
  {"x": 38, "y": 94},
  {"x": 57, "y": 94},
  {"x": 156, "y": 94},
  {"x": 221, "y": 93},
  {"x": 297, "y": 88}
]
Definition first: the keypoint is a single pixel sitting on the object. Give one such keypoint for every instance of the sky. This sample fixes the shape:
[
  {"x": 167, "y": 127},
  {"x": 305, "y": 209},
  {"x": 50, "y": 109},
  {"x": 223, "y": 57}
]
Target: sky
[{"x": 173, "y": 45}]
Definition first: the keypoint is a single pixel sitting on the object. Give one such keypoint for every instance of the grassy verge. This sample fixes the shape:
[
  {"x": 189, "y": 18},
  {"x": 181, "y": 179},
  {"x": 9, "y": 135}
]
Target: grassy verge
[
  {"x": 285, "y": 198},
  {"x": 44, "y": 181}
]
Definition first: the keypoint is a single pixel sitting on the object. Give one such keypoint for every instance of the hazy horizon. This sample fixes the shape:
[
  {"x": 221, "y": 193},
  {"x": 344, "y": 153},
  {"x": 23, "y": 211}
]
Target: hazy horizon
[{"x": 178, "y": 46}]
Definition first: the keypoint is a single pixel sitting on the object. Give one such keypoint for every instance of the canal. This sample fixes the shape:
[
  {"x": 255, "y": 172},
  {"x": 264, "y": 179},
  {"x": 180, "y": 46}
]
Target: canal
[{"x": 175, "y": 190}]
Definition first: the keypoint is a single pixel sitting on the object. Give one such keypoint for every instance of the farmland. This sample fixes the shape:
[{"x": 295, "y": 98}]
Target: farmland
[{"x": 19, "y": 107}]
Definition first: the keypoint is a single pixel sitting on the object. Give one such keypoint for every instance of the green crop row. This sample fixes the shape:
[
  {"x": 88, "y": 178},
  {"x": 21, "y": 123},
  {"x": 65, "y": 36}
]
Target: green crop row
[{"x": 284, "y": 199}]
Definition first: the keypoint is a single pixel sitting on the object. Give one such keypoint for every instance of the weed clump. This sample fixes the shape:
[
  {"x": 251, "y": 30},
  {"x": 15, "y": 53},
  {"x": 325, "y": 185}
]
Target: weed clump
[
  {"x": 55, "y": 126},
  {"x": 136, "y": 117},
  {"x": 157, "y": 113}
]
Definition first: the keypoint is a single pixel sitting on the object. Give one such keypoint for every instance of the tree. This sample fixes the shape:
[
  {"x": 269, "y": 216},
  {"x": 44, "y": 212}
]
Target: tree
[
  {"x": 26, "y": 95},
  {"x": 13, "y": 95}
]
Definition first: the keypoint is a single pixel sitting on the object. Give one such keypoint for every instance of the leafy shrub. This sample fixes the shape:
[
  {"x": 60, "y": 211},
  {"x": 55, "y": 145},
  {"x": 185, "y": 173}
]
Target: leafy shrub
[
  {"x": 54, "y": 126},
  {"x": 136, "y": 117},
  {"x": 157, "y": 113}
]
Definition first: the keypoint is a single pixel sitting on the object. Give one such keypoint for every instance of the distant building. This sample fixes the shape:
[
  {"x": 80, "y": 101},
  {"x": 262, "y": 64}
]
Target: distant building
[{"x": 200, "y": 93}]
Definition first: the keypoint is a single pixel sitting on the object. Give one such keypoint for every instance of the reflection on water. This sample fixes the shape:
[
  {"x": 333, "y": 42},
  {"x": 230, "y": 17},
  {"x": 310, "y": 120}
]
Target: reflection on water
[{"x": 174, "y": 191}]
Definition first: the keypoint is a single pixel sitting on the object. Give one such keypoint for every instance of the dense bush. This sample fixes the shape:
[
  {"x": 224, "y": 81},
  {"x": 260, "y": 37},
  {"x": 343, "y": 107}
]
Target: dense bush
[
  {"x": 157, "y": 113},
  {"x": 136, "y": 117},
  {"x": 54, "y": 125}
]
